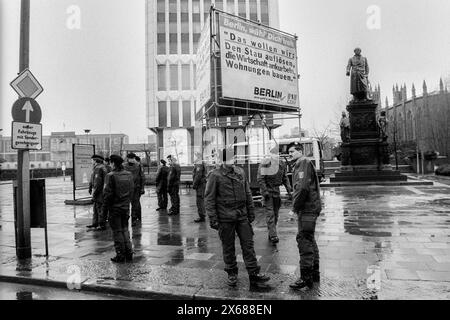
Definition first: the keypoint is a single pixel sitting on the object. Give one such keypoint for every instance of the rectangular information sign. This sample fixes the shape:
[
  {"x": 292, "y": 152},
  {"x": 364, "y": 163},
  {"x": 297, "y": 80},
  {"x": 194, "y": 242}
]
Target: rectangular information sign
[
  {"x": 82, "y": 164},
  {"x": 203, "y": 65},
  {"x": 258, "y": 63},
  {"x": 26, "y": 136}
]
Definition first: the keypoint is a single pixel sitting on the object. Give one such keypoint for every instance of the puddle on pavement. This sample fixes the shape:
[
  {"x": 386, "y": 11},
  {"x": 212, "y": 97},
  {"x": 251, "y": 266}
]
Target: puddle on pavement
[{"x": 24, "y": 295}]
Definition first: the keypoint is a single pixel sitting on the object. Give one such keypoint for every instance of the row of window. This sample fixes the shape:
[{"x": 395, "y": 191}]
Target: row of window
[
  {"x": 172, "y": 47},
  {"x": 173, "y": 107},
  {"x": 168, "y": 78}
]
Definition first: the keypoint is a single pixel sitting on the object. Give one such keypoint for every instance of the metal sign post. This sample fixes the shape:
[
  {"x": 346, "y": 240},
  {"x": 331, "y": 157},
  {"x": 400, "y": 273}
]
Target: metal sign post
[{"x": 23, "y": 233}]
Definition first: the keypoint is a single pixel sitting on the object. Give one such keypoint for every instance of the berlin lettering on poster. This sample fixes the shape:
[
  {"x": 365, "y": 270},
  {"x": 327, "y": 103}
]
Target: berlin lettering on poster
[{"x": 259, "y": 64}]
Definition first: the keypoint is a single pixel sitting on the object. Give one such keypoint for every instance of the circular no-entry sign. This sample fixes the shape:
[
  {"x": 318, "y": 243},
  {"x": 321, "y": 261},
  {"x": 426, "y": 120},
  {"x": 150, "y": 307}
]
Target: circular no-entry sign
[{"x": 26, "y": 110}]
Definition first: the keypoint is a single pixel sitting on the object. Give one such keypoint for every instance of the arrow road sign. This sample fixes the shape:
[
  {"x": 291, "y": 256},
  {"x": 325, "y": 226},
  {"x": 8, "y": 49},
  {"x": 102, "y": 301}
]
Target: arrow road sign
[
  {"x": 26, "y": 110},
  {"x": 26, "y": 85}
]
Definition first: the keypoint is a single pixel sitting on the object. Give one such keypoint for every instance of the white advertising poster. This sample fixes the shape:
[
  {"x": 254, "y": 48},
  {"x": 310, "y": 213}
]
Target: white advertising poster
[
  {"x": 82, "y": 165},
  {"x": 259, "y": 64},
  {"x": 176, "y": 142},
  {"x": 203, "y": 67}
]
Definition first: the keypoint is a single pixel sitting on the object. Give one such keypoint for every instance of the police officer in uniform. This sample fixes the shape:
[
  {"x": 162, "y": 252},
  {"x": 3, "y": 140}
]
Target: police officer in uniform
[
  {"x": 135, "y": 169},
  {"x": 161, "y": 185},
  {"x": 271, "y": 175},
  {"x": 118, "y": 195},
  {"x": 199, "y": 185},
  {"x": 229, "y": 205},
  {"x": 174, "y": 185},
  {"x": 107, "y": 164},
  {"x": 96, "y": 190},
  {"x": 307, "y": 205}
]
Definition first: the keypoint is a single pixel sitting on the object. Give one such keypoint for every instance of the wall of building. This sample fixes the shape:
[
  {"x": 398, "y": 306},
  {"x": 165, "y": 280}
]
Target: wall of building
[
  {"x": 423, "y": 119},
  {"x": 173, "y": 31}
]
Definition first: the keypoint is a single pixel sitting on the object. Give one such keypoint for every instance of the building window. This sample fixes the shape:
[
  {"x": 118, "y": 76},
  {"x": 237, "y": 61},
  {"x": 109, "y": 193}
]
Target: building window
[
  {"x": 173, "y": 42},
  {"x": 174, "y": 77},
  {"x": 161, "y": 43},
  {"x": 161, "y": 7},
  {"x": 242, "y": 9},
  {"x": 162, "y": 112},
  {"x": 162, "y": 86},
  {"x": 184, "y": 6},
  {"x": 230, "y": 6},
  {"x": 185, "y": 77},
  {"x": 206, "y": 8},
  {"x": 173, "y": 6},
  {"x": 254, "y": 10},
  {"x": 265, "y": 12},
  {"x": 195, "y": 6},
  {"x": 174, "y": 114},
  {"x": 219, "y": 4},
  {"x": 196, "y": 40},
  {"x": 185, "y": 43},
  {"x": 186, "y": 113}
]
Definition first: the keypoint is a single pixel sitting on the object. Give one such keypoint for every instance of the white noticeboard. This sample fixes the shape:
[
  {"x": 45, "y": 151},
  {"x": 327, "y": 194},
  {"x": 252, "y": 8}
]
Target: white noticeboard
[
  {"x": 26, "y": 136},
  {"x": 259, "y": 64},
  {"x": 203, "y": 67},
  {"x": 82, "y": 165}
]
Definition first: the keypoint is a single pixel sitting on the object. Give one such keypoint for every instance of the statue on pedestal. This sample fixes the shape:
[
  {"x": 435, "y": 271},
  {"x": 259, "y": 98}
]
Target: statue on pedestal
[
  {"x": 345, "y": 127},
  {"x": 358, "y": 70},
  {"x": 382, "y": 125}
]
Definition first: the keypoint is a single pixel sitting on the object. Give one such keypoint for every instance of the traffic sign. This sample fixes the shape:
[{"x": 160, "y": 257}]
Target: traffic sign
[
  {"x": 26, "y": 85},
  {"x": 26, "y": 136},
  {"x": 26, "y": 110}
]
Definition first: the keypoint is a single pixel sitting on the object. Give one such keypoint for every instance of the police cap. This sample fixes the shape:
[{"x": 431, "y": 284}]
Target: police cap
[
  {"x": 296, "y": 145},
  {"x": 131, "y": 156},
  {"x": 117, "y": 160},
  {"x": 97, "y": 157}
]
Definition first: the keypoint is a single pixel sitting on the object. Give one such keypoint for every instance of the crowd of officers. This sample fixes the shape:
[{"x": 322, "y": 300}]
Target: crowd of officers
[{"x": 224, "y": 196}]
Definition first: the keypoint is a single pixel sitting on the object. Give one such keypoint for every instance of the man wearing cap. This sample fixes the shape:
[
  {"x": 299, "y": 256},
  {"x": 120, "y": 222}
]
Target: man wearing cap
[
  {"x": 307, "y": 206},
  {"x": 229, "y": 205},
  {"x": 174, "y": 185},
  {"x": 107, "y": 164},
  {"x": 119, "y": 187},
  {"x": 199, "y": 185},
  {"x": 161, "y": 185},
  {"x": 96, "y": 190},
  {"x": 271, "y": 175},
  {"x": 135, "y": 169}
]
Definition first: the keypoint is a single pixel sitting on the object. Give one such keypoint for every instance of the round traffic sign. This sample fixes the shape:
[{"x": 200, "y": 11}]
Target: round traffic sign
[{"x": 26, "y": 110}]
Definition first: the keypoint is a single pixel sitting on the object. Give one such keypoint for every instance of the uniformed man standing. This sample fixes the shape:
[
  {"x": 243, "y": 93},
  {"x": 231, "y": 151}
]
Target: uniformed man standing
[
  {"x": 118, "y": 195},
  {"x": 229, "y": 205},
  {"x": 107, "y": 164},
  {"x": 174, "y": 185},
  {"x": 161, "y": 185},
  {"x": 96, "y": 190},
  {"x": 199, "y": 185},
  {"x": 307, "y": 205},
  {"x": 271, "y": 175},
  {"x": 139, "y": 179}
]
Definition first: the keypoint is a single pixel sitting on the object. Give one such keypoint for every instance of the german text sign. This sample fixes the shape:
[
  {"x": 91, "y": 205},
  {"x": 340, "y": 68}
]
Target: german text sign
[
  {"x": 26, "y": 136},
  {"x": 259, "y": 64},
  {"x": 82, "y": 164},
  {"x": 203, "y": 65}
]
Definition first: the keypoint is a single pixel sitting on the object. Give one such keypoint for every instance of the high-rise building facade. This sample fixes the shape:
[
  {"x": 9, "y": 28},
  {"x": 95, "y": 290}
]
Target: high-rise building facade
[{"x": 173, "y": 30}]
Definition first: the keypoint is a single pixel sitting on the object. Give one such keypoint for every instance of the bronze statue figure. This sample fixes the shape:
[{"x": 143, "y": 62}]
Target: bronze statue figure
[
  {"x": 345, "y": 127},
  {"x": 358, "y": 70},
  {"x": 382, "y": 125}
]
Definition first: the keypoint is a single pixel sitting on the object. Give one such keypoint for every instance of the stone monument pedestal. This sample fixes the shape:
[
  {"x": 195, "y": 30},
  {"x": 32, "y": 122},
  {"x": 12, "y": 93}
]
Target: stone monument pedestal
[{"x": 365, "y": 157}]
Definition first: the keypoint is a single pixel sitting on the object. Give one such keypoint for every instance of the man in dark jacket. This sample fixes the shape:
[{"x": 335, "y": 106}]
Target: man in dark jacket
[
  {"x": 229, "y": 205},
  {"x": 174, "y": 185},
  {"x": 161, "y": 185},
  {"x": 307, "y": 205},
  {"x": 96, "y": 190},
  {"x": 199, "y": 185},
  {"x": 118, "y": 194},
  {"x": 135, "y": 169},
  {"x": 271, "y": 175}
]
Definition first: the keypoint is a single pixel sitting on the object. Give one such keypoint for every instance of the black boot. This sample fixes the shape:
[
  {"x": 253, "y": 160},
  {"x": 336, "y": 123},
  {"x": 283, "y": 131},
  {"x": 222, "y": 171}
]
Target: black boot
[
  {"x": 305, "y": 281},
  {"x": 316, "y": 273},
  {"x": 258, "y": 278},
  {"x": 118, "y": 259},
  {"x": 232, "y": 279}
]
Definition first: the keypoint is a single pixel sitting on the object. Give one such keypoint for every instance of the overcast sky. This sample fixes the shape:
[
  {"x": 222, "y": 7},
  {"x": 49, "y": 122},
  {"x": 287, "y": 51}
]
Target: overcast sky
[{"x": 95, "y": 76}]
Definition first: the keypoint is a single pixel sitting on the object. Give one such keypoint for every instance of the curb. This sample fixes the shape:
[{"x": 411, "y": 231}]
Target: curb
[{"x": 103, "y": 289}]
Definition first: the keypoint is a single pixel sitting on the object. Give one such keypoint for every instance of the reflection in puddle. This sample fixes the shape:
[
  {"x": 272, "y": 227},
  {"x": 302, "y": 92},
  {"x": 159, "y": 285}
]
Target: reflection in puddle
[{"x": 24, "y": 295}]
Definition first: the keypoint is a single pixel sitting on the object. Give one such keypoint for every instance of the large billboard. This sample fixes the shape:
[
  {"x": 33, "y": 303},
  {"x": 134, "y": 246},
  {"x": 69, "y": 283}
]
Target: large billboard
[
  {"x": 258, "y": 63},
  {"x": 82, "y": 165},
  {"x": 203, "y": 67}
]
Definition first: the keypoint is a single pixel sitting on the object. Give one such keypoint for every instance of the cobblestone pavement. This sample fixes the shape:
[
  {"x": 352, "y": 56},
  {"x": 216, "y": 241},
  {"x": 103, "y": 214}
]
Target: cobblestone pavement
[{"x": 374, "y": 242}]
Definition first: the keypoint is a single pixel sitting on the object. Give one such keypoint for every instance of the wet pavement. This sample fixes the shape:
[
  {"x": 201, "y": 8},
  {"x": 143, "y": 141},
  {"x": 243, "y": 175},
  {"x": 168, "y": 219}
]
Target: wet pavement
[{"x": 375, "y": 243}]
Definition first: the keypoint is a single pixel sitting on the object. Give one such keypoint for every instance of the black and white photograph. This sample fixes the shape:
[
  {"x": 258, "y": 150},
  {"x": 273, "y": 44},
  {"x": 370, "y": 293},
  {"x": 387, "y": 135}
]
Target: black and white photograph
[{"x": 235, "y": 156}]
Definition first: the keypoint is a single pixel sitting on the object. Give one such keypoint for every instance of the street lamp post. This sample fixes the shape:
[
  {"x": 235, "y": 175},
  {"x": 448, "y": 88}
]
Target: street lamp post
[{"x": 87, "y": 135}]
